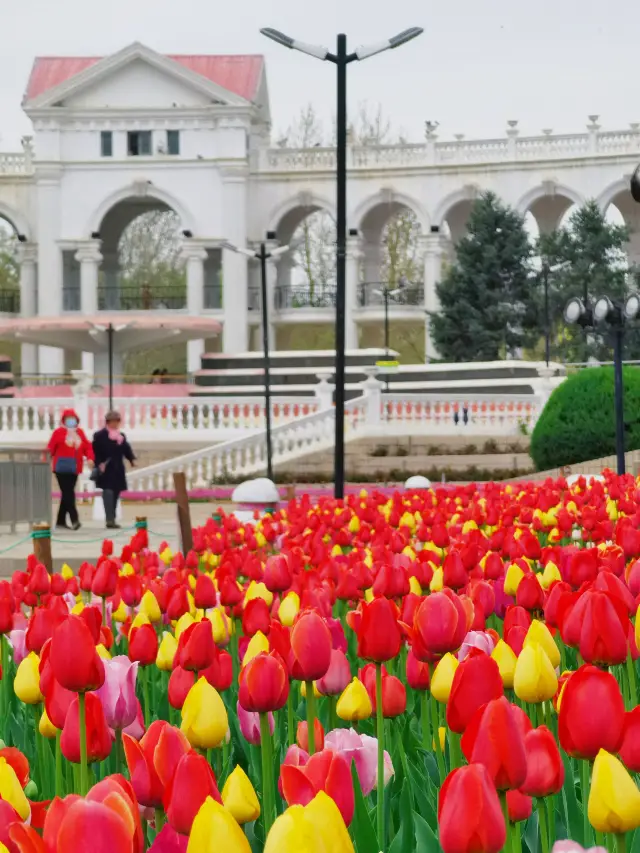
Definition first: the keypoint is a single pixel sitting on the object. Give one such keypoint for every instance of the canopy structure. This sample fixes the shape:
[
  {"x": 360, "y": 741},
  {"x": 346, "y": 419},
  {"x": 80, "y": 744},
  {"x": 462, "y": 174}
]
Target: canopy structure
[{"x": 108, "y": 332}]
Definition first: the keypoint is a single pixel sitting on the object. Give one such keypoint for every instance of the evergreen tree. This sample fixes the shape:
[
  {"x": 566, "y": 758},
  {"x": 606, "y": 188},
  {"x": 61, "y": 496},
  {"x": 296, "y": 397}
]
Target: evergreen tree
[
  {"x": 488, "y": 306},
  {"x": 588, "y": 254}
]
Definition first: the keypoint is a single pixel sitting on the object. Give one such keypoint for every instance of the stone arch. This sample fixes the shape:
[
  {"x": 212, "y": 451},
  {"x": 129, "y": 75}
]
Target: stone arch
[
  {"x": 548, "y": 203},
  {"x": 462, "y": 197},
  {"x": 389, "y": 198},
  {"x": 289, "y": 214},
  {"x": 15, "y": 219},
  {"x": 619, "y": 196},
  {"x": 140, "y": 191}
]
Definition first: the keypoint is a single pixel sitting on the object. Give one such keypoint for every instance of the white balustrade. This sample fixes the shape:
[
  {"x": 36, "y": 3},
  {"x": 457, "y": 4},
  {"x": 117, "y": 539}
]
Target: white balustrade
[
  {"x": 15, "y": 163},
  {"x": 439, "y": 414}
]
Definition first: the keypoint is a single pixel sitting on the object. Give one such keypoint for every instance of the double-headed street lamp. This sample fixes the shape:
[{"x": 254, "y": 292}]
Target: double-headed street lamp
[
  {"x": 341, "y": 58},
  {"x": 263, "y": 256},
  {"x": 616, "y": 315}
]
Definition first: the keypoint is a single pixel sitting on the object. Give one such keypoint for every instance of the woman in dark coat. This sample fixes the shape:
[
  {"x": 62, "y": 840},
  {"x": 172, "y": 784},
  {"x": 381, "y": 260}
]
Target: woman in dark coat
[{"x": 110, "y": 449}]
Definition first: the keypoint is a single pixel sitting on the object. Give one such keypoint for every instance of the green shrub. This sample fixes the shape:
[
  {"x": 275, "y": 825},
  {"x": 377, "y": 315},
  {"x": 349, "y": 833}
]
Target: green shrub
[{"x": 578, "y": 422}]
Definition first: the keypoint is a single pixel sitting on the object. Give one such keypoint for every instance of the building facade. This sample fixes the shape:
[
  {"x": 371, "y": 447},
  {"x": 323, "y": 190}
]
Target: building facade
[{"x": 114, "y": 137}]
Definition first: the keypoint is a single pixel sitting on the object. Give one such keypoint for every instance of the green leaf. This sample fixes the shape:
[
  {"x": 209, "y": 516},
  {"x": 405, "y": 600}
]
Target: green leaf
[
  {"x": 426, "y": 841},
  {"x": 573, "y": 810},
  {"x": 362, "y": 829}
]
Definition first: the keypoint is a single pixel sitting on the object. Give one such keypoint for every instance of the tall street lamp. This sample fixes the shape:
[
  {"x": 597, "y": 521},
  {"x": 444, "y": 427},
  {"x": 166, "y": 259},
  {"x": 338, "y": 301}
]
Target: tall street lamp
[
  {"x": 341, "y": 58},
  {"x": 263, "y": 256},
  {"x": 616, "y": 315}
]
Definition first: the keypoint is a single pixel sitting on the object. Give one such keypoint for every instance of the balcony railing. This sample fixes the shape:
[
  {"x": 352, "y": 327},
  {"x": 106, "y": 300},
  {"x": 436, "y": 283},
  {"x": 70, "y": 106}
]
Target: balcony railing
[
  {"x": 212, "y": 297},
  {"x": 371, "y": 294},
  {"x": 141, "y": 299},
  {"x": 291, "y": 298},
  {"x": 254, "y": 302},
  {"x": 9, "y": 302},
  {"x": 71, "y": 299}
]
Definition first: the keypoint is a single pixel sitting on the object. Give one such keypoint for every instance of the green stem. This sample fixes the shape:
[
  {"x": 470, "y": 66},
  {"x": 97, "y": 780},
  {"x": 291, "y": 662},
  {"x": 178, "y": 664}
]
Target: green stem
[
  {"x": 145, "y": 695},
  {"x": 551, "y": 818},
  {"x": 586, "y": 839},
  {"x": 507, "y": 822},
  {"x": 268, "y": 799},
  {"x": 6, "y": 682},
  {"x": 633, "y": 686},
  {"x": 455, "y": 752},
  {"x": 426, "y": 722},
  {"x": 104, "y": 612},
  {"x": 225, "y": 760},
  {"x": 59, "y": 789},
  {"x": 542, "y": 823},
  {"x": 333, "y": 719},
  {"x": 382, "y": 841},
  {"x": 516, "y": 839},
  {"x": 159, "y": 819},
  {"x": 290, "y": 729},
  {"x": 119, "y": 751},
  {"x": 39, "y": 753},
  {"x": 84, "y": 768},
  {"x": 235, "y": 657},
  {"x": 621, "y": 843},
  {"x": 311, "y": 716},
  {"x": 436, "y": 736}
]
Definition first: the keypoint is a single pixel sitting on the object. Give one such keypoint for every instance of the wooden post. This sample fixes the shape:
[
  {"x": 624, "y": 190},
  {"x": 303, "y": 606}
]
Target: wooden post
[
  {"x": 291, "y": 492},
  {"x": 41, "y": 536},
  {"x": 184, "y": 513}
]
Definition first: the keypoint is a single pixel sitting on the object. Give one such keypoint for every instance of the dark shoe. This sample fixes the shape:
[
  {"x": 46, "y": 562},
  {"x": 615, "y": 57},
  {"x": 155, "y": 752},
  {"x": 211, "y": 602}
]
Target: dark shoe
[
  {"x": 62, "y": 527},
  {"x": 76, "y": 525},
  {"x": 111, "y": 525}
]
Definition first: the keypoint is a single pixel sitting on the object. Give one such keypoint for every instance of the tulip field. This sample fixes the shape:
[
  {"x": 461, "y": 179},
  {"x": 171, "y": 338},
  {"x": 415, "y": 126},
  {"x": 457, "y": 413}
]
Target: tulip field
[{"x": 452, "y": 669}]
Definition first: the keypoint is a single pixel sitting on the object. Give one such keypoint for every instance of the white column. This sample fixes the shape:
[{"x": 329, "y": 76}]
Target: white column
[
  {"x": 194, "y": 256},
  {"x": 89, "y": 258},
  {"x": 27, "y": 257},
  {"x": 432, "y": 273},
  {"x": 234, "y": 266},
  {"x": 354, "y": 258},
  {"x": 47, "y": 205}
]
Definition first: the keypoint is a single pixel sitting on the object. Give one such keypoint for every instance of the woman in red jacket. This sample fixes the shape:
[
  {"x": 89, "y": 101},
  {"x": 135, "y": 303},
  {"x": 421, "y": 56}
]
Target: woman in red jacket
[{"x": 68, "y": 448}]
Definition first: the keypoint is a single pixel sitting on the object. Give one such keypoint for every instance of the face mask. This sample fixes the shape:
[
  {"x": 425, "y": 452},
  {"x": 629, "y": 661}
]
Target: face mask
[{"x": 71, "y": 423}]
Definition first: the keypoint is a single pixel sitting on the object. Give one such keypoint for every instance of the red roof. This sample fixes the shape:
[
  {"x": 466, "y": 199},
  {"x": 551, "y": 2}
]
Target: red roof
[{"x": 237, "y": 73}]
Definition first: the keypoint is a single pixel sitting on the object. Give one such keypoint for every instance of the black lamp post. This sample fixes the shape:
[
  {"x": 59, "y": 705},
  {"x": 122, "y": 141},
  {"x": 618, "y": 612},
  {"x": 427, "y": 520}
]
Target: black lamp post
[
  {"x": 616, "y": 316},
  {"x": 263, "y": 256},
  {"x": 341, "y": 58}
]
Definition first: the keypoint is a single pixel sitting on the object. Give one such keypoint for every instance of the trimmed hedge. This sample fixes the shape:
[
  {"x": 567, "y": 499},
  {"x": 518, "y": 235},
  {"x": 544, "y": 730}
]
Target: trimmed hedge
[{"x": 578, "y": 422}]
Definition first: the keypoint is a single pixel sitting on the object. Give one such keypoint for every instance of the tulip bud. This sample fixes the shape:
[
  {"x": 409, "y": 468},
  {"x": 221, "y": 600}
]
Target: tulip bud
[
  {"x": 535, "y": 679},
  {"x": 166, "y": 652},
  {"x": 443, "y": 677},
  {"x": 214, "y": 829},
  {"x": 354, "y": 704},
  {"x": 614, "y": 800},
  {"x": 26, "y": 684},
  {"x": 506, "y": 659},
  {"x": 239, "y": 797},
  {"x": 204, "y": 716}
]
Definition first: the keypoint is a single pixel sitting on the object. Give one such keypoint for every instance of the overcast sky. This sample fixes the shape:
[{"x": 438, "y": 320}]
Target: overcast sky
[{"x": 549, "y": 63}]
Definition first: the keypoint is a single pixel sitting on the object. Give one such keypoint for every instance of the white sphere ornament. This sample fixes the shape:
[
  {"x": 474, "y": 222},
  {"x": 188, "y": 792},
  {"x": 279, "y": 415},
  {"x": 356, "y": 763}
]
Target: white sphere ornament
[{"x": 416, "y": 483}]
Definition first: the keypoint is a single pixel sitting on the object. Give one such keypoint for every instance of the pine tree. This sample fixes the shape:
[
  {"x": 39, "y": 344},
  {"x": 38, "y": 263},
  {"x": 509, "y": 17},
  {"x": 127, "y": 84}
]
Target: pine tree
[{"x": 488, "y": 306}]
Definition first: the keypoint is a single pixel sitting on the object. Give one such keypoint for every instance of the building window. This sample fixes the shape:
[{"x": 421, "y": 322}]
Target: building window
[
  {"x": 139, "y": 143},
  {"x": 106, "y": 143},
  {"x": 173, "y": 142}
]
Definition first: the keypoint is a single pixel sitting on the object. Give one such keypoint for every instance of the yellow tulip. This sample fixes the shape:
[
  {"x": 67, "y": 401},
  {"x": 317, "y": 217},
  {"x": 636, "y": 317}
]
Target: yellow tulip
[
  {"x": 539, "y": 633},
  {"x": 561, "y": 693},
  {"x": 192, "y": 604},
  {"x": 166, "y": 652},
  {"x": 126, "y": 570},
  {"x": 336, "y": 551},
  {"x": 437, "y": 580},
  {"x": 221, "y": 625},
  {"x": 368, "y": 595},
  {"x": 215, "y": 830},
  {"x": 66, "y": 572},
  {"x": 324, "y": 816},
  {"x": 512, "y": 579},
  {"x": 443, "y": 677},
  {"x": 550, "y": 575},
  {"x": 140, "y": 619},
  {"x": 506, "y": 659},
  {"x": 46, "y": 727},
  {"x": 11, "y": 790},
  {"x": 414, "y": 585},
  {"x": 26, "y": 684},
  {"x": 239, "y": 797},
  {"x": 121, "y": 612},
  {"x": 291, "y": 832},
  {"x": 184, "y": 622},
  {"x": 103, "y": 651},
  {"x": 258, "y": 643},
  {"x": 3, "y": 849},
  {"x": 408, "y": 520},
  {"x": 469, "y": 525},
  {"x": 204, "y": 717},
  {"x": 77, "y": 608},
  {"x": 354, "y": 524},
  {"x": 303, "y": 690},
  {"x": 535, "y": 679},
  {"x": 258, "y": 590},
  {"x": 408, "y": 551},
  {"x": 614, "y": 800},
  {"x": 442, "y": 734},
  {"x": 166, "y": 556},
  {"x": 354, "y": 703},
  {"x": 289, "y": 608},
  {"x": 149, "y": 605}
]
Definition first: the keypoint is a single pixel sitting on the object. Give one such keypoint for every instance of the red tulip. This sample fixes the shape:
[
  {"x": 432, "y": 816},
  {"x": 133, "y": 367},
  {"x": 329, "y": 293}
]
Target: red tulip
[
  {"x": 263, "y": 684},
  {"x": 42, "y": 624},
  {"x": 105, "y": 579},
  {"x": 204, "y": 594},
  {"x": 630, "y": 748},
  {"x": 256, "y": 617},
  {"x": 196, "y": 649},
  {"x": 519, "y": 806},
  {"x": 494, "y": 739},
  {"x": 469, "y": 813},
  {"x": 379, "y": 637},
  {"x": 143, "y": 645},
  {"x": 455, "y": 575},
  {"x": 153, "y": 761},
  {"x": 98, "y": 734},
  {"x": 337, "y": 677},
  {"x": 219, "y": 673},
  {"x": 439, "y": 625},
  {"x": 476, "y": 681},
  {"x": 591, "y": 714},
  {"x": 75, "y": 663},
  {"x": 583, "y": 567},
  {"x": 177, "y": 602},
  {"x": 545, "y": 770},
  {"x": 180, "y": 683},
  {"x": 604, "y": 629},
  {"x": 39, "y": 581},
  {"x": 417, "y": 673},
  {"x": 117, "y": 793},
  {"x": 86, "y": 825},
  {"x": 310, "y": 646},
  {"x": 394, "y": 693},
  {"x": 130, "y": 587},
  {"x": 277, "y": 574},
  {"x": 326, "y": 771},
  {"x": 530, "y": 594},
  {"x": 302, "y": 735},
  {"x": 192, "y": 782}
]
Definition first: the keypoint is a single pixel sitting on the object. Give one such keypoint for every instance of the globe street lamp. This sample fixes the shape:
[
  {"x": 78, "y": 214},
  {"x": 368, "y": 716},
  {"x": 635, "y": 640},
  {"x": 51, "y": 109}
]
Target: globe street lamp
[
  {"x": 341, "y": 58},
  {"x": 616, "y": 315}
]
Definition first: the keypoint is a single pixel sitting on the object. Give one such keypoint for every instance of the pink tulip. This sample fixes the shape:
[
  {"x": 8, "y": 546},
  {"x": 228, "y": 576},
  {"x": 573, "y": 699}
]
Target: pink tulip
[
  {"x": 18, "y": 644},
  {"x": 250, "y": 725},
  {"x": 337, "y": 677},
  {"x": 567, "y": 846},
  {"x": 169, "y": 841},
  {"x": 363, "y": 750},
  {"x": 136, "y": 729},
  {"x": 118, "y": 693},
  {"x": 296, "y": 757},
  {"x": 338, "y": 639},
  {"x": 476, "y": 640}
]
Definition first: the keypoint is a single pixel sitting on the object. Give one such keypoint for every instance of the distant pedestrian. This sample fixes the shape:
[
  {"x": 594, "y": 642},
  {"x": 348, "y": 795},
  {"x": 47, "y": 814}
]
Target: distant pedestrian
[
  {"x": 68, "y": 447},
  {"x": 111, "y": 448}
]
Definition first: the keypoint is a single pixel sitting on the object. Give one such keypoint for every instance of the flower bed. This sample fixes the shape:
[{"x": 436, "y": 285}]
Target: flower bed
[{"x": 452, "y": 669}]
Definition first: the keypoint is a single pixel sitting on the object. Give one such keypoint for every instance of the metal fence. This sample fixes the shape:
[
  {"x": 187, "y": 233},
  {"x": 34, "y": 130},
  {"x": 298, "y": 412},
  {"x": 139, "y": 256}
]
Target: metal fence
[{"x": 25, "y": 488}]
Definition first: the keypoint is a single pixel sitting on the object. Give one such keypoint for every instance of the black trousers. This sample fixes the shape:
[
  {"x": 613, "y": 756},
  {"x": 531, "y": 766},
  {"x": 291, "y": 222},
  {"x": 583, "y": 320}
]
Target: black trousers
[
  {"x": 67, "y": 483},
  {"x": 110, "y": 501}
]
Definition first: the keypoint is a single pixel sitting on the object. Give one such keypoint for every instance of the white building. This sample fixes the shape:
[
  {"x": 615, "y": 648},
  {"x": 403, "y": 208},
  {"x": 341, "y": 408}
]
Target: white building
[{"x": 119, "y": 135}]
